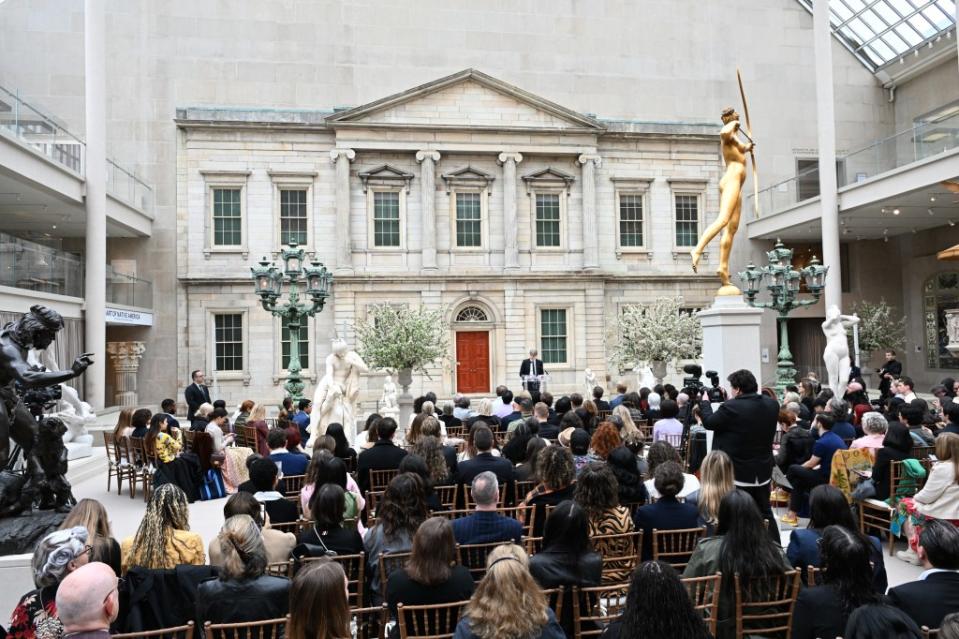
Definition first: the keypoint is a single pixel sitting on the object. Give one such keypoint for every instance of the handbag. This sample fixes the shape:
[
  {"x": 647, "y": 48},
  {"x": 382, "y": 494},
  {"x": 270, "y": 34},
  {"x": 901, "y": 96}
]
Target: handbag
[
  {"x": 866, "y": 489},
  {"x": 213, "y": 487}
]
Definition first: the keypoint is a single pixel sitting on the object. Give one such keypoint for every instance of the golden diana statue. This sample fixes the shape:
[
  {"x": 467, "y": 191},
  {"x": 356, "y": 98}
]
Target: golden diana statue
[{"x": 730, "y": 200}]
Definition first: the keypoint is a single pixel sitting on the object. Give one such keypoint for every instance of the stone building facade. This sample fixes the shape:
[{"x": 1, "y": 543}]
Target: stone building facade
[{"x": 528, "y": 223}]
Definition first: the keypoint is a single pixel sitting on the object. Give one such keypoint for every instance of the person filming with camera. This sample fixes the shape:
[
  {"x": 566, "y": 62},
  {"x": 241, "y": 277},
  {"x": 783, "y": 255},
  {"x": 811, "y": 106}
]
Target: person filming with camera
[{"x": 744, "y": 427}]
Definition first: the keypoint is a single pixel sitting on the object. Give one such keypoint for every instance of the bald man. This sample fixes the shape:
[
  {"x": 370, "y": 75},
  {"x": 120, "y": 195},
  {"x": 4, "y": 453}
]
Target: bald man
[{"x": 88, "y": 601}]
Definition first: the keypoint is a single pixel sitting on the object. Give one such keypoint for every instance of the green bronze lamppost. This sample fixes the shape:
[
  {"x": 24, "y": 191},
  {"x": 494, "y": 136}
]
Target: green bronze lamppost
[
  {"x": 268, "y": 282},
  {"x": 783, "y": 287}
]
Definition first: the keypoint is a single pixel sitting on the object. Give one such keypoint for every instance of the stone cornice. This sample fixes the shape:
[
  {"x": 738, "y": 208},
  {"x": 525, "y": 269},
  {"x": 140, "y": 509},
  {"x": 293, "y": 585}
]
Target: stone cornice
[{"x": 509, "y": 276}]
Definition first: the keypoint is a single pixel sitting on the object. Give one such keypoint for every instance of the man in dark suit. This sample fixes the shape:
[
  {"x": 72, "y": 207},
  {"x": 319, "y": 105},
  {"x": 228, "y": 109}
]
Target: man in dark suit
[
  {"x": 196, "y": 394},
  {"x": 601, "y": 404},
  {"x": 744, "y": 428},
  {"x": 290, "y": 463},
  {"x": 384, "y": 455},
  {"x": 889, "y": 371},
  {"x": 486, "y": 526},
  {"x": 936, "y": 593},
  {"x": 467, "y": 470},
  {"x": 531, "y": 366},
  {"x": 668, "y": 513}
]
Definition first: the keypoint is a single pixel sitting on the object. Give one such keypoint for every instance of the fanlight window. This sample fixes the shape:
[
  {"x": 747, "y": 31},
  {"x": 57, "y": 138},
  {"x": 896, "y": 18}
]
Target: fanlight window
[{"x": 472, "y": 314}]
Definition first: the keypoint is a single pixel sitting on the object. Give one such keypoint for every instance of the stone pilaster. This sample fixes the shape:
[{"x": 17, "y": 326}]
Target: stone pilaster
[
  {"x": 428, "y": 160},
  {"x": 344, "y": 243},
  {"x": 510, "y": 248},
  {"x": 126, "y": 362},
  {"x": 590, "y": 239}
]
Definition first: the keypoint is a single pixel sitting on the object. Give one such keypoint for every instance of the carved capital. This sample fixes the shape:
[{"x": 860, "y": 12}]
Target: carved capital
[
  {"x": 126, "y": 355},
  {"x": 432, "y": 155},
  {"x": 335, "y": 154},
  {"x": 595, "y": 158},
  {"x": 510, "y": 157}
]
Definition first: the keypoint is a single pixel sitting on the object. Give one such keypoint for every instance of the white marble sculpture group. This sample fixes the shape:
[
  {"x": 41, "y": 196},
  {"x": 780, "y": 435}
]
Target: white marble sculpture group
[
  {"x": 75, "y": 413},
  {"x": 336, "y": 394}
]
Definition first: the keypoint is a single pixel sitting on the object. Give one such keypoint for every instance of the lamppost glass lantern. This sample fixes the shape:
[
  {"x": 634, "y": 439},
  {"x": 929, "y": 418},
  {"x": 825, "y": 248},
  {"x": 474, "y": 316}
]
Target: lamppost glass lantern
[
  {"x": 262, "y": 278},
  {"x": 293, "y": 260},
  {"x": 815, "y": 275},
  {"x": 317, "y": 280},
  {"x": 276, "y": 283},
  {"x": 752, "y": 276}
]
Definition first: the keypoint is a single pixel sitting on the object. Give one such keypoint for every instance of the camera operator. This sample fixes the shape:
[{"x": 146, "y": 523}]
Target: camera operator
[
  {"x": 744, "y": 428},
  {"x": 716, "y": 393}
]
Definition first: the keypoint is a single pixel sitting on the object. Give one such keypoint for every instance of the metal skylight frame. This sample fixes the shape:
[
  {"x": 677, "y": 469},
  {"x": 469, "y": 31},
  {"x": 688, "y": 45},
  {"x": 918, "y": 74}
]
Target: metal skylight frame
[{"x": 879, "y": 32}]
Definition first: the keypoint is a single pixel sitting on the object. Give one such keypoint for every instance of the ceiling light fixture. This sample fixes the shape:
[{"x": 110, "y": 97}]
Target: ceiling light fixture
[
  {"x": 931, "y": 212},
  {"x": 932, "y": 198},
  {"x": 895, "y": 211}
]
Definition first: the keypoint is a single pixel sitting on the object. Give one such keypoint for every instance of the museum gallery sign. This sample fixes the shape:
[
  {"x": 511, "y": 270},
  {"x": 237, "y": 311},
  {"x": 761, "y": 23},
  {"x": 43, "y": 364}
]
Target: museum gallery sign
[{"x": 135, "y": 318}]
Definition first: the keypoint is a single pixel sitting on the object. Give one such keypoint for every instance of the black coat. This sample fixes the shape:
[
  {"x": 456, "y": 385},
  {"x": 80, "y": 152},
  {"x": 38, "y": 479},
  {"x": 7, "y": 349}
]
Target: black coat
[
  {"x": 154, "y": 599},
  {"x": 666, "y": 514},
  {"x": 467, "y": 470},
  {"x": 818, "y": 614},
  {"x": 524, "y": 368},
  {"x": 744, "y": 429},
  {"x": 265, "y": 597},
  {"x": 929, "y": 600},
  {"x": 194, "y": 397},
  {"x": 795, "y": 447},
  {"x": 384, "y": 455}
]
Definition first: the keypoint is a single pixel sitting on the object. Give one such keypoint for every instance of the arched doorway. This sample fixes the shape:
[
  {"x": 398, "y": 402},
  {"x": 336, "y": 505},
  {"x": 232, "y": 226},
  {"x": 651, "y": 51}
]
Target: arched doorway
[{"x": 472, "y": 325}]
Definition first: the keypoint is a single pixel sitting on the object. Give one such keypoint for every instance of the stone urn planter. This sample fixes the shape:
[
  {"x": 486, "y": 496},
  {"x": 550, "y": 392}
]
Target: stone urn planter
[
  {"x": 405, "y": 377},
  {"x": 659, "y": 370}
]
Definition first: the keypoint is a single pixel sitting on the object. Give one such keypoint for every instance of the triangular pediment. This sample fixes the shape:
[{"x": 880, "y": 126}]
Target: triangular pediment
[
  {"x": 468, "y": 99},
  {"x": 385, "y": 174}
]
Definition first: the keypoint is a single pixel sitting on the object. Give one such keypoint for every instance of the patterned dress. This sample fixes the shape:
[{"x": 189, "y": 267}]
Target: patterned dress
[
  {"x": 35, "y": 617},
  {"x": 614, "y": 521}
]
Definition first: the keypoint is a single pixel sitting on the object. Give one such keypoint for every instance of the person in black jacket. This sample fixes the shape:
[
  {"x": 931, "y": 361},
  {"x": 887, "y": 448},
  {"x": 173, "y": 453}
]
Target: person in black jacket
[
  {"x": 847, "y": 584},
  {"x": 243, "y": 592},
  {"x": 327, "y": 531},
  {"x": 485, "y": 460},
  {"x": 196, "y": 394},
  {"x": 936, "y": 593},
  {"x": 667, "y": 513},
  {"x": 889, "y": 371},
  {"x": 384, "y": 455},
  {"x": 896, "y": 446},
  {"x": 744, "y": 427},
  {"x": 795, "y": 446}
]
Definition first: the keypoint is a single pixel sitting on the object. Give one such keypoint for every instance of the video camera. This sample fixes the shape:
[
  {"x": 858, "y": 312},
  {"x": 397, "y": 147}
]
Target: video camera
[
  {"x": 692, "y": 381},
  {"x": 715, "y": 393}
]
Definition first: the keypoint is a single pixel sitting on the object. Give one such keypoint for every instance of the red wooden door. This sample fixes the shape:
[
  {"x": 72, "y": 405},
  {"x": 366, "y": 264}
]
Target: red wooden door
[{"x": 472, "y": 361}]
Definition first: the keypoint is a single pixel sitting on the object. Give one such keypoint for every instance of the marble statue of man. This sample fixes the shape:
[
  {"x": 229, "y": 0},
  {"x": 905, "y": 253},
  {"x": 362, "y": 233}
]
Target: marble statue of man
[
  {"x": 389, "y": 406},
  {"x": 590, "y": 383},
  {"x": 336, "y": 394},
  {"x": 836, "y": 355}
]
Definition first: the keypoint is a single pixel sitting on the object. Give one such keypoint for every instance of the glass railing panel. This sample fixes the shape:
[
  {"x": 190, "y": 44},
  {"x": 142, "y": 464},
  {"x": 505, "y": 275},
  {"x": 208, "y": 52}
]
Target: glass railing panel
[
  {"x": 127, "y": 187},
  {"x": 127, "y": 290},
  {"x": 40, "y": 132},
  {"x": 35, "y": 267}
]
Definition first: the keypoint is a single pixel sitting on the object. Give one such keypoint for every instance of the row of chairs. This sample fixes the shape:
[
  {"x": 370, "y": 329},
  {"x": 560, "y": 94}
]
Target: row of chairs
[
  {"x": 129, "y": 460},
  {"x": 877, "y": 515}
]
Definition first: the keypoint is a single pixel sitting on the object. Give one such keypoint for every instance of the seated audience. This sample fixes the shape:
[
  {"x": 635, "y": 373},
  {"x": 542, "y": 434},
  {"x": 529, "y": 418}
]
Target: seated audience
[
  {"x": 163, "y": 539},
  {"x": 328, "y": 530},
  {"x": 266, "y": 477},
  {"x": 598, "y": 495},
  {"x": 507, "y": 603},
  {"x": 657, "y": 605},
  {"x": 326, "y": 469},
  {"x": 515, "y": 449},
  {"x": 579, "y": 445},
  {"x": 484, "y": 460},
  {"x": 278, "y": 544},
  {"x": 936, "y": 593},
  {"x": 718, "y": 480},
  {"x": 140, "y": 422},
  {"x": 914, "y": 416},
  {"x": 461, "y": 410},
  {"x": 815, "y": 470},
  {"x": 301, "y": 418},
  {"x": 879, "y": 621},
  {"x": 431, "y": 575},
  {"x": 629, "y": 480},
  {"x": 289, "y": 463},
  {"x": 124, "y": 427},
  {"x": 398, "y": 515},
  {"x": 938, "y": 499},
  {"x": 88, "y": 601},
  {"x": 621, "y": 389},
  {"x": 951, "y": 410},
  {"x": 667, "y": 513},
  {"x": 449, "y": 420},
  {"x": 319, "y": 605},
  {"x": 605, "y": 440},
  {"x": 526, "y": 471},
  {"x": 741, "y": 545},
  {"x": 342, "y": 449},
  {"x": 828, "y": 507},
  {"x": 56, "y": 556},
  {"x": 601, "y": 405},
  {"x": 214, "y": 428},
  {"x": 486, "y": 414},
  {"x": 795, "y": 445},
  {"x": 91, "y": 514},
  {"x": 486, "y": 525},
  {"x": 823, "y": 611},
  {"x": 257, "y": 420},
  {"x": 243, "y": 591},
  {"x": 874, "y": 426},
  {"x": 367, "y": 437},
  {"x": 384, "y": 455},
  {"x": 557, "y": 477},
  {"x": 659, "y": 453},
  {"x": 839, "y": 411},
  {"x": 243, "y": 413},
  {"x": 653, "y": 412},
  {"x": 416, "y": 465},
  {"x": 509, "y": 410},
  {"x": 896, "y": 446},
  {"x": 523, "y": 410},
  {"x": 668, "y": 428},
  {"x": 433, "y": 438}
]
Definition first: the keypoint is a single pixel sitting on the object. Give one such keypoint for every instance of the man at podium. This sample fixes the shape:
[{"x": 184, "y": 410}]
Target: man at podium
[{"x": 531, "y": 371}]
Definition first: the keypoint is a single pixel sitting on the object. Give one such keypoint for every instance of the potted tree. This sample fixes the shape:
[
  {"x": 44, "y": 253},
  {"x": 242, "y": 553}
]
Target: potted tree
[
  {"x": 881, "y": 327},
  {"x": 656, "y": 333}
]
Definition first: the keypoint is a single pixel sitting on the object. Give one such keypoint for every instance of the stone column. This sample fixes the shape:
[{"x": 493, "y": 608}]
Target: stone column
[
  {"x": 428, "y": 160},
  {"x": 95, "y": 165},
  {"x": 510, "y": 248},
  {"x": 126, "y": 362},
  {"x": 344, "y": 243},
  {"x": 590, "y": 240}
]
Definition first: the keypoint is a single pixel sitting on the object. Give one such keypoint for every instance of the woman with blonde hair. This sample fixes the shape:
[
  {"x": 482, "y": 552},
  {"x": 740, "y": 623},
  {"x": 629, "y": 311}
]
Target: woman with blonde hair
[
  {"x": 163, "y": 539},
  {"x": 243, "y": 592},
  {"x": 716, "y": 482},
  {"x": 508, "y": 603},
  {"x": 630, "y": 432},
  {"x": 91, "y": 514},
  {"x": 319, "y": 607}
]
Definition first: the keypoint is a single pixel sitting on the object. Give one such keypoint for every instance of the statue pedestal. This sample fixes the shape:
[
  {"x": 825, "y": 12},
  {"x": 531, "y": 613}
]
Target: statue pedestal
[
  {"x": 80, "y": 448},
  {"x": 405, "y": 401},
  {"x": 731, "y": 336}
]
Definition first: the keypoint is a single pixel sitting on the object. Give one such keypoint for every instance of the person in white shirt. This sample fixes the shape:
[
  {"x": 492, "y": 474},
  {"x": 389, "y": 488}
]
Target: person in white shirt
[
  {"x": 906, "y": 386},
  {"x": 660, "y": 452}
]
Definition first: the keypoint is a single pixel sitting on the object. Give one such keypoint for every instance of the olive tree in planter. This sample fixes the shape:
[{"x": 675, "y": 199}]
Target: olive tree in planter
[
  {"x": 881, "y": 327},
  {"x": 403, "y": 339},
  {"x": 656, "y": 333}
]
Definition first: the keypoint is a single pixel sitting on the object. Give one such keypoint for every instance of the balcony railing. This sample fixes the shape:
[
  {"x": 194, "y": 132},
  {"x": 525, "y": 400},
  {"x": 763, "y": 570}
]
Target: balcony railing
[
  {"x": 912, "y": 145},
  {"x": 45, "y": 135},
  {"x": 127, "y": 290},
  {"x": 35, "y": 267}
]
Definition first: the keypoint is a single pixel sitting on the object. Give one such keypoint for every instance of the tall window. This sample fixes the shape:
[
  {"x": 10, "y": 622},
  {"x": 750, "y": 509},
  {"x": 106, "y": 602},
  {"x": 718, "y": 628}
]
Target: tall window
[
  {"x": 687, "y": 220},
  {"x": 229, "y": 341},
  {"x": 386, "y": 218},
  {"x": 469, "y": 220},
  {"x": 547, "y": 220},
  {"x": 553, "y": 335},
  {"x": 631, "y": 219},
  {"x": 227, "y": 217},
  {"x": 293, "y": 219},
  {"x": 304, "y": 344}
]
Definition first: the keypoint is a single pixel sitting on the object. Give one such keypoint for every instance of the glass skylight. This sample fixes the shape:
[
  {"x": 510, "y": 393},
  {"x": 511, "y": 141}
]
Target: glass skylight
[{"x": 882, "y": 31}]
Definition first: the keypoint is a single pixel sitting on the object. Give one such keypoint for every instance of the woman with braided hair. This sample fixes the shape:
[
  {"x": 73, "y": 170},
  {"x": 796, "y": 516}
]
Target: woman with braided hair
[
  {"x": 243, "y": 592},
  {"x": 163, "y": 539}
]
